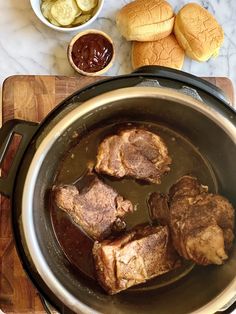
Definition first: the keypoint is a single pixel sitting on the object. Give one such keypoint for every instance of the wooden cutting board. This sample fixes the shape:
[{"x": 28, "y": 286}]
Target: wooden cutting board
[{"x": 31, "y": 98}]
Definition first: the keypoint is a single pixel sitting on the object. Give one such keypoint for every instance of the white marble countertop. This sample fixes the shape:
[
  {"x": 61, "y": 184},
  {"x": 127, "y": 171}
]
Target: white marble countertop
[{"x": 29, "y": 47}]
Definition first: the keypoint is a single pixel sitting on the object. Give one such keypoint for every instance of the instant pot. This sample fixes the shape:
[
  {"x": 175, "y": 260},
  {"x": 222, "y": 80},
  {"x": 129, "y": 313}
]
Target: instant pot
[{"x": 196, "y": 109}]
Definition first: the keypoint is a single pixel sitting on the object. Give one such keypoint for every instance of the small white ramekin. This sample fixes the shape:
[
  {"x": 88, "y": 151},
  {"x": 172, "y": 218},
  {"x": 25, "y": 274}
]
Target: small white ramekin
[{"x": 70, "y": 47}]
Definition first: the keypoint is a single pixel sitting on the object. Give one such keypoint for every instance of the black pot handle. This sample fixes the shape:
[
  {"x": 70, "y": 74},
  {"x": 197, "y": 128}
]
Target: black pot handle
[
  {"x": 26, "y": 130},
  {"x": 184, "y": 77}
]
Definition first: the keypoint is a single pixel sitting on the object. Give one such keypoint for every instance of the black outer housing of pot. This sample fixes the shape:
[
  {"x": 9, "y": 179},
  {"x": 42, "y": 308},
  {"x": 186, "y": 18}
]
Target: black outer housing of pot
[{"x": 211, "y": 95}]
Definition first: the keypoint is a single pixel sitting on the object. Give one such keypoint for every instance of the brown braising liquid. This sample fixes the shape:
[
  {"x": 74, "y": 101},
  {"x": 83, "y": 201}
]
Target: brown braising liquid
[
  {"x": 186, "y": 159},
  {"x": 92, "y": 52}
]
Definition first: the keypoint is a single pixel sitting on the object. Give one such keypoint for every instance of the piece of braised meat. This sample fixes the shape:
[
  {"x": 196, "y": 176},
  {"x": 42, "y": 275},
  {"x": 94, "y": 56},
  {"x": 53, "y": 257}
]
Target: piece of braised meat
[
  {"x": 201, "y": 223},
  {"x": 96, "y": 208},
  {"x": 159, "y": 208},
  {"x": 143, "y": 253},
  {"x": 135, "y": 153}
]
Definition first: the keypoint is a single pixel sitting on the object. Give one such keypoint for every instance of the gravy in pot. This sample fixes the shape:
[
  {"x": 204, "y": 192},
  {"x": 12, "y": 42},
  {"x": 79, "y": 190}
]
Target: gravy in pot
[{"x": 186, "y": 159}]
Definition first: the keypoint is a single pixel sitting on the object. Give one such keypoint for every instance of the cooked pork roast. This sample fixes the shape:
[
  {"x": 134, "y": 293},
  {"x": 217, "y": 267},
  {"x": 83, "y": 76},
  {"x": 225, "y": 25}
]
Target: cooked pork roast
[
  {"x": 141, "y": 254},
  {"x": 159, "y": 208},
  {"x": 135, "y": 153},
  {"x": 201, "y": 223},
  {"x": 96, "y": 208}
]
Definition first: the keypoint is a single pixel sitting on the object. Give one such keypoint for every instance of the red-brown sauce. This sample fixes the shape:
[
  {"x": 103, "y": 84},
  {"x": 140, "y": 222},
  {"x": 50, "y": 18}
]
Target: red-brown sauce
[
  {"x": 92, "y": 52},
  {"x": 77, "y": 246}
]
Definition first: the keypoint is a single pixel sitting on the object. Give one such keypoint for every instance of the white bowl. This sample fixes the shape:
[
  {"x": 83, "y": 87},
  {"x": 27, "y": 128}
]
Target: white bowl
[{"x": 36, "y": 6}]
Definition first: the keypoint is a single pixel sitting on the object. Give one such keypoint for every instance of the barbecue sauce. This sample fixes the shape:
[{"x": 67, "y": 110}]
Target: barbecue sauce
[{"x": 92, "y": 52}]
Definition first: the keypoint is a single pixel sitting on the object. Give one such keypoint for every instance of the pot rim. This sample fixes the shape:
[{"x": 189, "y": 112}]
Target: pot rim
[{"x": 97, "y": 103}]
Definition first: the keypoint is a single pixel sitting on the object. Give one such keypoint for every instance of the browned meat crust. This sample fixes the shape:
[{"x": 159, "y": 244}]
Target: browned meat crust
[
  {"x": 135, "y": 257},
  {"x": 186, "y": 186},
  {"x": 135, "y": 153},
  {"x": 95, "y": 208},
  {"x": 159, "y": 208},
  {"x": 201, "y": 223}
]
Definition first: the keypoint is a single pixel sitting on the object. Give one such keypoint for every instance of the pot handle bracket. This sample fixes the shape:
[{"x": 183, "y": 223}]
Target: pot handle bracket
[
  {"x": 14, "y": 127},
  {"x": 189, "y": 91},
  {"x": 188, "y": 80}
]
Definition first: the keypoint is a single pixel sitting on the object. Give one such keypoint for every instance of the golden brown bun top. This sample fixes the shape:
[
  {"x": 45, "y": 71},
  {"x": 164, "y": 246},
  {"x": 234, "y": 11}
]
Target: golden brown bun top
[
  {"x": 199, "y": 28},
  {"x": 164, "y": 52},
  {"x": 140, "y": 11}
]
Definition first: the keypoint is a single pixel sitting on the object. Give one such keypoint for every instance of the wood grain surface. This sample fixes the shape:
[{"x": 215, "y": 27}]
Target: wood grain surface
[{"x": 31, "y": 98}]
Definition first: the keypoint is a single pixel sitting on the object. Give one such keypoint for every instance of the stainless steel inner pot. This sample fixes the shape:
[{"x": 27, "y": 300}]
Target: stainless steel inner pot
[{"x": 210, "y": 127}]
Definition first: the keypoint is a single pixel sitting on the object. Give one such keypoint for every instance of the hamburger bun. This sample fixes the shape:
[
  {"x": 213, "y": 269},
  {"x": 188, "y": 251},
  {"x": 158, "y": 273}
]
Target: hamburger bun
[
  {"x": 146, "y": 20},
  {"x": 165, "y": 52},
  {"x": 198, "y": 32}
]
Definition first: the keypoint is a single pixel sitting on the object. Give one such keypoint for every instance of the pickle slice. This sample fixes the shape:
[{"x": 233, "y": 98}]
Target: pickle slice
[
  {"x": 52, "y": 20},
  {"x": 46, "y": 7},
  {"x": 79, "y": 12},
  {"x": 87, "y": 5},
  {"x": 81, "y": 19},
  {"x": 64, "y": 11}
]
